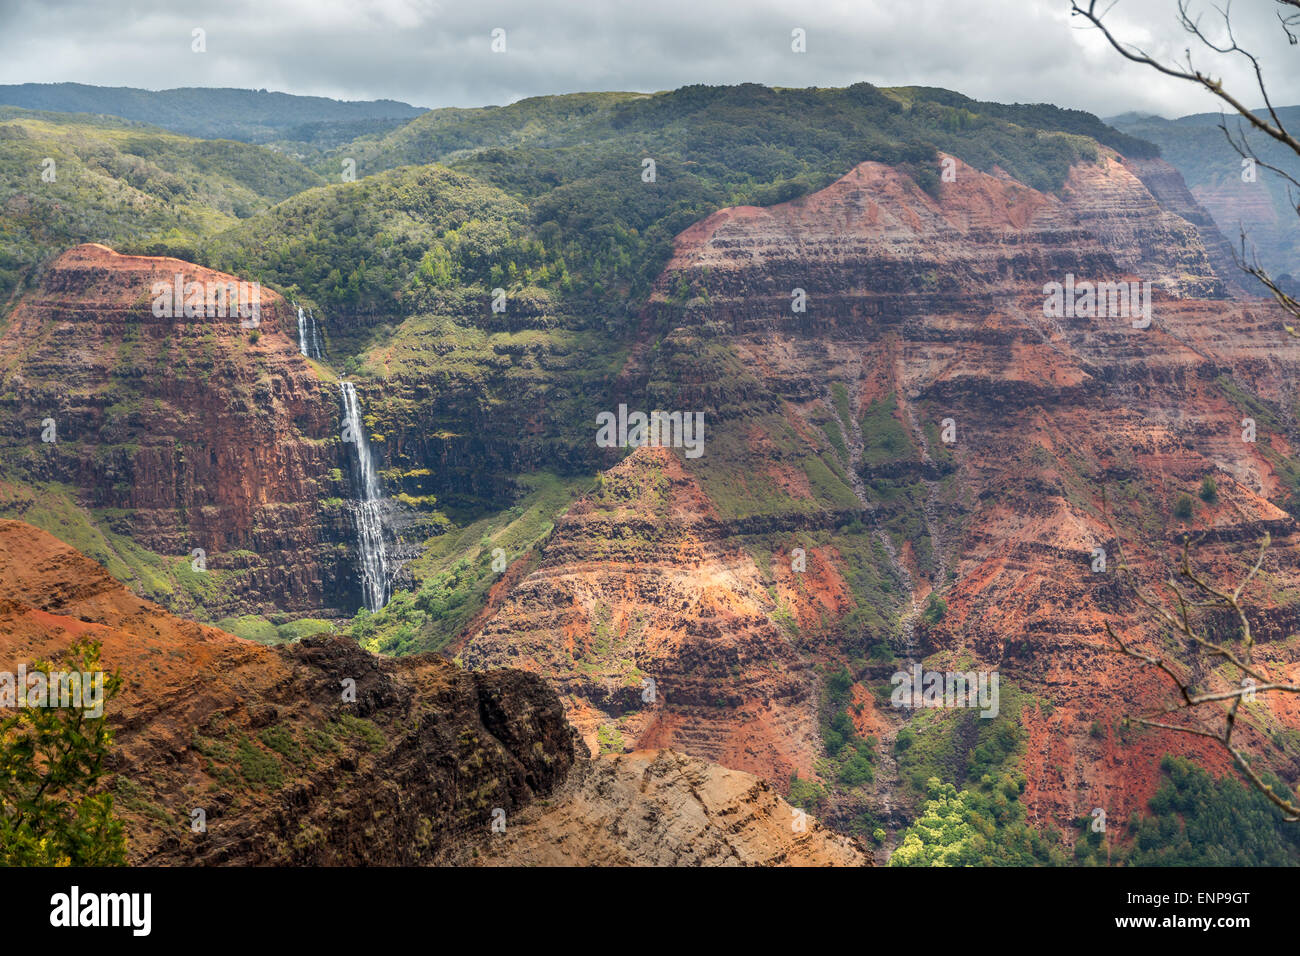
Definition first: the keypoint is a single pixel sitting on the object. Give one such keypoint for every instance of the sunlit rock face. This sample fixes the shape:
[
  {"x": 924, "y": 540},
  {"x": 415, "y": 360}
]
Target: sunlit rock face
[{"x": 886, "y": 388}]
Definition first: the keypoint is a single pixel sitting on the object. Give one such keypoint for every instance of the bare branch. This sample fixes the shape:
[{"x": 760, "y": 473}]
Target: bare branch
[
  {"x": 1272, "y": 129},
  {"x": 1267, "y": 121},
  {"x": 1180, "y": 622}
]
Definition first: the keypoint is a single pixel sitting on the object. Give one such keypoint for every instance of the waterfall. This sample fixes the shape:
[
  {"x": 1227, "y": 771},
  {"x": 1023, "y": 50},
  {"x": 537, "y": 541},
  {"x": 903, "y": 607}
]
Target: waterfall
[
  {"x": 314, "y": 340},
  {"x": 370, "y": 525},
  {"x": 309, "y": 338}
]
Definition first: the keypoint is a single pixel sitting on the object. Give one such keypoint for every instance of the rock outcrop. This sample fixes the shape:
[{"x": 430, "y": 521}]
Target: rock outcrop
[
  {"x": 181, "y": 432},
  {"x": 657, "y": 629},
  {"x": 663, "y": 808},
  {"x": 285, "y": 770},
  {"x": 1046, "y": 413},
  {"x": 318, "y": 753}
]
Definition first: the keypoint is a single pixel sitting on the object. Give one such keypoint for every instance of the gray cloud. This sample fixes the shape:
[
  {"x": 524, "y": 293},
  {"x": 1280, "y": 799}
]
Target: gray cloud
[{"x": 436, "y": 52}]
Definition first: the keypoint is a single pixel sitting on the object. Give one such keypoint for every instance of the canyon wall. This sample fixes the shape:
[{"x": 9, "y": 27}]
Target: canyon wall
[
  {"x": 179, "y": 433},
  {"x": 922, "y": 426}
]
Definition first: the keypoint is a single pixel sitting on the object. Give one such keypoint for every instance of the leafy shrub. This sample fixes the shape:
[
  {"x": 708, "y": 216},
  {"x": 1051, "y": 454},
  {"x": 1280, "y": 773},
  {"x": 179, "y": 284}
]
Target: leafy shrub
[
  {"x": 51, "y": 762},
  {"x": 935, "y": 608}
]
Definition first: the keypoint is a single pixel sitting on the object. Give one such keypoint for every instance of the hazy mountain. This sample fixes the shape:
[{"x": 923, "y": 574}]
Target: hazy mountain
[
  {"x": 1264, "y": 208},
  {"x": 254, "y": 116}
]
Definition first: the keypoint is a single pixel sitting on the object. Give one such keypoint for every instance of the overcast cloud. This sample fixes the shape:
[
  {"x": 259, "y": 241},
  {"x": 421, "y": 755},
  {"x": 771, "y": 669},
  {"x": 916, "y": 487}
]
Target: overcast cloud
[{"x": 437, "y": 52}]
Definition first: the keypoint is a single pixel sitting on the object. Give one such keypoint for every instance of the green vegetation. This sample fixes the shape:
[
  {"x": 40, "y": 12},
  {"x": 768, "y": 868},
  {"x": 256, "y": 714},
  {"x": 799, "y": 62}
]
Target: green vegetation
[
  {"x": 359, "y": 730},
  {"x": 883, "y": 436},
  {"x": 304, "y": 627},
  {"x": 840, "y": 395},
  {"x": 958, "y": 745},
  {"x": 610, "y": 739},
  {"x": 124, "y": 184},
  {"x": 852, "y": 757},
  {"x": 258, "y": 768},
  {"x": 983, "y": 826},
  {"x": 1220, "y": 822},
  {"x": 1197, "y": 820},
  {"x": 805, "y": 794},
  {"x": 849, "y": 767},
  {"x": 52, "y": 759},
  {"x": 131, "y": 797},
  {"x": 934, "y": 610},
  {"x": 255, "y": 116},
  {"x": 279, "y": 737},
  {"x": 877, "y": 599},
  {"x": 269, "y": 759},
  {"x": 712, "y": 147},
  {"x": 1209, "y": 490},
  {"x": 1183, "y": 507},
  {"x": 403, "y": 241},
  {"x": 966, "y": 770},
  {"x": 738, "y": 489},
  {"x": 455, "y": 571},
  {"x": 254, "y": 627},
  {"x": 892, "y": 469},
  {"x": 588, "y": 224},
  {"x": 251, "y": 627}
]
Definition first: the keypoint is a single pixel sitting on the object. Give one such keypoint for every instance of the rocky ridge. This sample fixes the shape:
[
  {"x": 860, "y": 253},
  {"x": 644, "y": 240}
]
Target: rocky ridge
[
  {"x": 415, "y": 770},
  {"x": 922, "y": 311}
]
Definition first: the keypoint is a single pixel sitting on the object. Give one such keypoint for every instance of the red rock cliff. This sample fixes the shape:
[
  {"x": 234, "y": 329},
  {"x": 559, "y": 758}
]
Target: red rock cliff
[{"x": 181, "y": 432}]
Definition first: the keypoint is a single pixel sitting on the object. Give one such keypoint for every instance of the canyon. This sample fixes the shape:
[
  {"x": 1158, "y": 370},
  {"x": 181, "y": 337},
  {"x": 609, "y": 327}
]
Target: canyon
[
  {"x": 188, "y": 435},
  {"x": 825, "y": 436},
  {"x": 656, "y": 655},
  {"x": 412, "y": 768}
]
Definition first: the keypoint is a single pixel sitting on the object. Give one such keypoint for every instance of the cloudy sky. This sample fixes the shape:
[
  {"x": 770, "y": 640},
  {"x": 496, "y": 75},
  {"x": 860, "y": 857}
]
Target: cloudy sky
[{"x": 438, "y": 52}]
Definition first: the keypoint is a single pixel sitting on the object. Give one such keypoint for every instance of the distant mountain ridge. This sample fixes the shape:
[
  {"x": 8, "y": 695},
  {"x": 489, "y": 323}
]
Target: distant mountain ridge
[
  {"x": 1290, "y": 115},
  {"x": 253, "y": 116},
  {"x": 1262, "y": 207}
]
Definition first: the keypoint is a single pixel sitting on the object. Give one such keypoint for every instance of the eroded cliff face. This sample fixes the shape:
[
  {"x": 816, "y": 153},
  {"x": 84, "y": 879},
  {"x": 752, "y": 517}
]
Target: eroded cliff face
[
  {"x": 261, "y": 739},
  {"x": 922, "y": 426},
  {"x": 663, "y": 808},
  {"x": 178, "y": 432},
  {"x": 657, "y": 628},
  {"x": 1166, "y": 184}
]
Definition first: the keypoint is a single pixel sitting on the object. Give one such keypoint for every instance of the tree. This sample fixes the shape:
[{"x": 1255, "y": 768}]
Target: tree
[
  {"x": 942, "y": 835},
  {"x": 51, "y": 762},
  {"x": 935, "y": 608},
  {"x": 1207, "y": 647},
  {"x": 1265, "y": 121}
]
